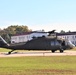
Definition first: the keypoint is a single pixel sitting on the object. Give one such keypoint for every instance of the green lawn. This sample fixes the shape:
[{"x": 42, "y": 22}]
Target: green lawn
[
  {"x": 53, "y": 65},
  {"x": 4, "y": 50}
]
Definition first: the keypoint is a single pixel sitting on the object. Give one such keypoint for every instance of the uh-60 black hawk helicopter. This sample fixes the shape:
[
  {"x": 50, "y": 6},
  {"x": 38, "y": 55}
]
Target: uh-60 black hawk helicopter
[{"x": 50, "y": 42}]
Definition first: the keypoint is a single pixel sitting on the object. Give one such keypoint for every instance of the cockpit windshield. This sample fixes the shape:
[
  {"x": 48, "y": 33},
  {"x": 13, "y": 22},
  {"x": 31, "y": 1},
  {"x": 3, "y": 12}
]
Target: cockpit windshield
[{"x": 71, "y": 44}]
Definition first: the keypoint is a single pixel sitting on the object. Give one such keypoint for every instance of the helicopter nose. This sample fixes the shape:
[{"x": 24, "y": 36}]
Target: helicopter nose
[{"x": 71, "y": 45}]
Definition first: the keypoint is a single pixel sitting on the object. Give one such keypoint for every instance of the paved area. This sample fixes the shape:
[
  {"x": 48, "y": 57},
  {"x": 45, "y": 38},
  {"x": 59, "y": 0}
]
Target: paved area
[{"x": 37, "y": 53}]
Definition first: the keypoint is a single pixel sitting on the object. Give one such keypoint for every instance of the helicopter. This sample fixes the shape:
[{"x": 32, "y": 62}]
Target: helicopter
[{"x": 50, "y": 42}]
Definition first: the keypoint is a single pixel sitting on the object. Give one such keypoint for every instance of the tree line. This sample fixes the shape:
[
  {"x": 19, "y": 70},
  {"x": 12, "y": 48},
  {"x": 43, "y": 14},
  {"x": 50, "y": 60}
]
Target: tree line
[{"x": 6, "y": 33}]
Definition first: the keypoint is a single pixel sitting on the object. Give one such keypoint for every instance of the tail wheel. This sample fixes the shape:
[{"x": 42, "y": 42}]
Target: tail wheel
[{"x": 10, "y": 51}]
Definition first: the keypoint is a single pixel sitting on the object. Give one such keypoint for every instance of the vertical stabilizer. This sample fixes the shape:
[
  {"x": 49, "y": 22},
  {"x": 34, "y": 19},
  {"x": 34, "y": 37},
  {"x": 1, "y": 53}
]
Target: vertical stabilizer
[{"x": 3, "y": 43}]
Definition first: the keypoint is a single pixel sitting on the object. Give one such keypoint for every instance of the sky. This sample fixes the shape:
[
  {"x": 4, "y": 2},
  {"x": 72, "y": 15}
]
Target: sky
[{"x": 39, "y": 14}]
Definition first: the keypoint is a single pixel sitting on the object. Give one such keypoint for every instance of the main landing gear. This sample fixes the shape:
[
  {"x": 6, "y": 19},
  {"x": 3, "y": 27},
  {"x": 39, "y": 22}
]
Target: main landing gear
[
  {"x": 61, "y": 51},
  {"x": 53, "y": 51}
]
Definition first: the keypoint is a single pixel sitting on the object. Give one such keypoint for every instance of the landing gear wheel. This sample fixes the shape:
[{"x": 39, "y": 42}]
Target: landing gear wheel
[
  {"x": 10, "y": 52},
  {"x": 61, "y": 51},
  {"x": 53, "y": 51}
]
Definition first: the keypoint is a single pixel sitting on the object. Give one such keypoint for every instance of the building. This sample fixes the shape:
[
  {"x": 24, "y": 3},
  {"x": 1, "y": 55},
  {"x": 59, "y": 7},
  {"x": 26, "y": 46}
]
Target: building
[
  {"x": 27, "y": 36},
  {"x": 71, "y": 36}
]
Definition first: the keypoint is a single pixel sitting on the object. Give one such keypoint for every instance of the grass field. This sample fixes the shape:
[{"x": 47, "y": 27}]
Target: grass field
[
  {"x": 4, "y": 50},
  {"x": 54, "y": 65}
]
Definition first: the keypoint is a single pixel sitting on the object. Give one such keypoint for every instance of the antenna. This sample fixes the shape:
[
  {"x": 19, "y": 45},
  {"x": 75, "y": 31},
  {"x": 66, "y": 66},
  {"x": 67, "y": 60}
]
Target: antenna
[{"x": 51, "y": 32}]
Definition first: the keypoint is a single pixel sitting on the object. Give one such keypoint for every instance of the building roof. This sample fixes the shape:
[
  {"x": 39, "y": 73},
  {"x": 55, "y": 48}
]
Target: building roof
[
  {"x": 27, "y": 33},
  {"x": 67, "y": 33},
  {"x": 58, "y": 34}
]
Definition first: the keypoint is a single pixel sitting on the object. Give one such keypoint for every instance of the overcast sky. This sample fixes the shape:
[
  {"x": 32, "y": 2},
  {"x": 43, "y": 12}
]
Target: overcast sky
[{"x": 39, "y": 14}]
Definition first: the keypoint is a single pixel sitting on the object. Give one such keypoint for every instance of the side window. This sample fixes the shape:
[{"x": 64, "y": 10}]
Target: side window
[
  {"x": 57, "y": 43},
  {"x": 52, "y": 43}
]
